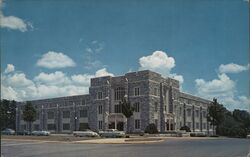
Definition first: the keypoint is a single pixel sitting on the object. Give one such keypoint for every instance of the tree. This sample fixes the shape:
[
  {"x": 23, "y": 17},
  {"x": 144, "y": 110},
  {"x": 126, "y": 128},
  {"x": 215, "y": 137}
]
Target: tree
[
  {"x": 216, "y": 114},
  {"x": 8, "y": 114},
  {"x": 29, "y": 114},
  {"x": 151, "y": 129},
  {"x": 186, "y": 128},
  {"x": 127, "y": 110}
]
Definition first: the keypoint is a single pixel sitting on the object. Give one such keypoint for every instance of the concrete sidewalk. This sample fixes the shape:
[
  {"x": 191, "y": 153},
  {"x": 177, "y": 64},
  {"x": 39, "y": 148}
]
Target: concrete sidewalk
[{"x": 121, "y": 141}]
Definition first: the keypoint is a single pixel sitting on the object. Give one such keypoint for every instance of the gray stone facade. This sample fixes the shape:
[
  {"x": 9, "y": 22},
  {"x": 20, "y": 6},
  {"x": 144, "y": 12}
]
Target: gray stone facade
[{"x": 156, "y": 100}]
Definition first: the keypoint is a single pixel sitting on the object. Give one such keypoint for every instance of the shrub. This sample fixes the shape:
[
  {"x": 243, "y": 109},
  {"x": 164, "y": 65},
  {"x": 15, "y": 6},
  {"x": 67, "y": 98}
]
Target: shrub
[
  {"x": 151, "y": 129},
  {"x": 186, "y": 128}
]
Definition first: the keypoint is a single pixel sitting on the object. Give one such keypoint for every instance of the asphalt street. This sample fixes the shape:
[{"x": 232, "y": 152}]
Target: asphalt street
[{"x": 227, "y": 147}]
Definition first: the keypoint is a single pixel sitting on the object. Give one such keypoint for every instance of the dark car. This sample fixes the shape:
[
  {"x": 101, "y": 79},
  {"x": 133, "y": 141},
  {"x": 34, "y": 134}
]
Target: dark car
[
  {"x": 24, "y": 132},
  {"x": 8, "y": 131}
]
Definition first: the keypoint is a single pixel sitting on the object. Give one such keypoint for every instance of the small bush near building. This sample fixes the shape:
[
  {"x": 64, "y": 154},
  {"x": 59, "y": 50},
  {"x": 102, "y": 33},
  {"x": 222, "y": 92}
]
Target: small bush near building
[
  {"x": 151, "y": 129},
  {"x": 186, "y": 128}
]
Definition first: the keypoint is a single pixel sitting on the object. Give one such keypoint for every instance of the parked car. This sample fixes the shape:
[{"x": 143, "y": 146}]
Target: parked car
[
  {"x": 40, "y": 133},
  {"x": 8, "y": 131},
  {"x": 24, "y": 132},
  {"x": 85, "y": 133},
  {"x": 113, "y": 133},
  {"x": 248, "y": 136}
]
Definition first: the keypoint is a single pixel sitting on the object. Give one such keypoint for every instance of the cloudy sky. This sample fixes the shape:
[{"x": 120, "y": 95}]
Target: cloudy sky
[{"x": 52, "y": 48}]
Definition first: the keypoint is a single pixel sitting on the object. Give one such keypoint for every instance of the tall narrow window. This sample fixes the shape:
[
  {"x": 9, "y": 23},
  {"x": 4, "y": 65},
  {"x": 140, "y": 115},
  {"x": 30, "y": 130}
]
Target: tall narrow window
[
  {"x": 100, "y": 109},
  {"x": 119, "y": 93},
  {"x": 137, "y": 91},
  {"x": 156, "y": 106},
  {"x": 156, "y": 91},
  {"x": 100, "y": 125},
  {"x": 137, "y": 107},
  {"x": 66, "y": 114},
  {"x": 137, "y": 124},
  {"x": 99, "y": 95},
  {"x": 118, "y": 108}
]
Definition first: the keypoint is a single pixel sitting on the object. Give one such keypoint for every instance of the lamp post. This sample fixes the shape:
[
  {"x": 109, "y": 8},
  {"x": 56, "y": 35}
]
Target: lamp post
[
  {"x": 17, "y": 119},
  {"x": 42, "y": 117},
  {"x": 58, "y": 118},
  {"x": 75, "y": 117}
]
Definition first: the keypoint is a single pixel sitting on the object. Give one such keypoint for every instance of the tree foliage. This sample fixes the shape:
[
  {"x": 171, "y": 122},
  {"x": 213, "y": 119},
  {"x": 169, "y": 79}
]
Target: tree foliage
[
  {"x": 29, "y": 113},
  {"x": 8, "y": 114},
  {"x": 186, "y": 128},
  {"x": 232, "y": 124},
  {"x": 127, "y": 108},
  {"x": 151, "y": 129}
]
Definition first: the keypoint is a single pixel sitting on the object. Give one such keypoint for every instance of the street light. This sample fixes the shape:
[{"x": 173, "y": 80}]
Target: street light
[
  {"x": 75, "y": 114},
  {"x": 43, "y": 117},
  {"x": 58, "y": 118}
]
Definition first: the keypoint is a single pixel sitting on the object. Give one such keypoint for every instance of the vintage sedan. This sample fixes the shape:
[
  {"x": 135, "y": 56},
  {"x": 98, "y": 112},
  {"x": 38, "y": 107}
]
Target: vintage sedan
[
  {"x": 40, "y": 133},
  {"x": 85, "y": 133},
  {"x": 8, "y": 131},
  {"x": 112, "y": 133}
]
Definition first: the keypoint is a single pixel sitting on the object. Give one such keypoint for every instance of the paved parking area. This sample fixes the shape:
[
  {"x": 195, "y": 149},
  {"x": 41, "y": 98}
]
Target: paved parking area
[{"x": 169, "y": 148}]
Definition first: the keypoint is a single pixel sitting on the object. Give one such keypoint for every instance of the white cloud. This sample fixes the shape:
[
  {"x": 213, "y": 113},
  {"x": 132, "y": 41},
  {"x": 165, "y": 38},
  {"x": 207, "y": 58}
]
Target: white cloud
[
  {"x": 9, "y": 68},
  {"x": 17, "y": 86},
  {"x": 160, "y": 62},
  {"x": 12, "y": 22},
  {"x": 233, "y": 68},
  {"x": 224, "y": 89},
  {"x": 221, "y": 85},
  {"x": 53, "y": 60},
  {"x": 83, "y": 79},
  {"x": 178, "y": 77},
  {"x": 55, "y": 78},
  {"x": 103, "y": 72}
]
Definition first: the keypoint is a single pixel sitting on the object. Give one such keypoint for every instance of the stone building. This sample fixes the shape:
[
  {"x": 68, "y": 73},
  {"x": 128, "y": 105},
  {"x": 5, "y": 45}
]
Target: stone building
[{"x": 155, "y": 99}]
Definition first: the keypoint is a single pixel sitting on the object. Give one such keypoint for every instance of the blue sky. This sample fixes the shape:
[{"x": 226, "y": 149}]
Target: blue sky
[{"x": 208, "y": 41}]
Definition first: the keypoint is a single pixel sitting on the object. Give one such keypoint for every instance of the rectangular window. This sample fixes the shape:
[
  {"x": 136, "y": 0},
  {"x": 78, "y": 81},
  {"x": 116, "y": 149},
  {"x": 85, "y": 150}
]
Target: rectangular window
[
  {"x": 100, "y": 109},
  {"x": 156, "y": 106},
  {"x": 66, "y": 114},
  {"x": 100, "y": 125},
  {"x": 165, "y": 107},
  {"x": 51, "y": 126},
  {"x": 66, "y": 126},
  {"x": 137, "y": 91},
  {"x": 204, "y": 114},
  {"x": 189, "y": 124},
  {"x": 156, "y": 91},
  {"x": 83, "y": 126},
  {"x": 118, "y": 108},
  {"x": 197, "y": 126},
  {"x": 137, "y": 107},
  {"x": 204, "y": 125},
  {"x": 189, "y": 112},
  {"x": 180, "y": 111},
  {"x": 51, "y": 115},
  {"x": 99, "y": 95},
  {"x": 137, "y": 124},
  {"x": 197, "y": 113},
  {"x": 156, "y": 123},
  {"x": 84, "y": 113}
]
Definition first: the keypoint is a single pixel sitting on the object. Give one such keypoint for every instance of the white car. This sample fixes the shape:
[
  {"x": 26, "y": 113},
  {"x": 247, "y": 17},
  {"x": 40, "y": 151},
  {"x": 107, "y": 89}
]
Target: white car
[
  {"x": 248, "y": 136},
  {"x": 86, "y": 133},
  {"x": 40, "y": 133},
  {"x": 113, "y": 133}
]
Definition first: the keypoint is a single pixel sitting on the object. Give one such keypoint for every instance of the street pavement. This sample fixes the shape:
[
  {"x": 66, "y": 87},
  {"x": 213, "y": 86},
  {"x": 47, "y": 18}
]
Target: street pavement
[{"x": 176, "y": 147}]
